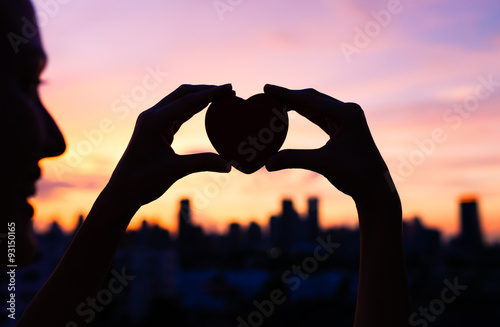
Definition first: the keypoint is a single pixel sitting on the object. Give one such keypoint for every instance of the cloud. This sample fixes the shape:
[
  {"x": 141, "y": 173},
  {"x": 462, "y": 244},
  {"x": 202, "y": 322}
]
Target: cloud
[{"x": 48, "y": 189}]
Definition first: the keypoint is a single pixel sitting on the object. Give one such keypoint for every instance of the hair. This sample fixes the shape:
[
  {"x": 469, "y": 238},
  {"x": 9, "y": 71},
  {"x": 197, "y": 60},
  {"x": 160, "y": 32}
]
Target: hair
[{"x": 17, "y": 26}]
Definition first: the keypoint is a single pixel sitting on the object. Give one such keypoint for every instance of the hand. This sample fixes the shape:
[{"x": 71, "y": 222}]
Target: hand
[
  {"x": 350, "y": 160},
  {"x": 149, "y": 165}
]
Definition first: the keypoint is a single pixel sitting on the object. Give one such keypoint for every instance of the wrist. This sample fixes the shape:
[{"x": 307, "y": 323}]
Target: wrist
[
  {"x": 117, "y": 200},
  {"x": 379, "y": 206},
  {"x": 377, "y": 188}
]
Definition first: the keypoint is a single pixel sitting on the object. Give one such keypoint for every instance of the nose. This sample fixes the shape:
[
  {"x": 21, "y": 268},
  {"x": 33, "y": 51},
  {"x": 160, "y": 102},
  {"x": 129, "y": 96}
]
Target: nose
[{"x": 54, "y": 144}]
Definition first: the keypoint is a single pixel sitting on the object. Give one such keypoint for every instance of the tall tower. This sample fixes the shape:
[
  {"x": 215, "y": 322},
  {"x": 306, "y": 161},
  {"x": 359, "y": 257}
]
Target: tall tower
[
  {"x": 234, "y": 237},
  {"x": 184, "y": 231},
  {"x": 470, "y": 233},
  {"x": 275, "y": 231},
  {"x": 312, "y": 219},
  {"x": 254, "y": 235},
  {"x": 290, "y": 225},
  {"x": 184, "y": 217}
]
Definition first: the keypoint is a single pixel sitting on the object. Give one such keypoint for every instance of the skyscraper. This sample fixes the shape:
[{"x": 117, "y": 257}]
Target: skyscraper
[
  {"x": 184, "y": 236},
  {"x": 184, "y": 215},
  {"x": 254, "y": 235},
  {"x": 290, "y": 225},
  {"x": 312, "y": 219},
  {"x": 234, "y": 237},
  {"x": 470, "y": 232}
]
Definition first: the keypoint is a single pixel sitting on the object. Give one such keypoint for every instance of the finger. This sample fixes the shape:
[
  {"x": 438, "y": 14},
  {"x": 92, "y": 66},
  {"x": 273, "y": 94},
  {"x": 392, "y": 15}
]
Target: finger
[
  {"x": 193, "y": 163},
  {"x": 190, "y": 104},
  {"x": 319, "y": 94},
  {"x": 310, "y": 99},
  {"x": 306, "y": 102},
  {"x": 180, "y": 92},
  {"x": 285, "y": 159},
  {"x": 320, "y": 121},
  {"x": 297, "y": 99},
  {"x": 289, "y": 97}
]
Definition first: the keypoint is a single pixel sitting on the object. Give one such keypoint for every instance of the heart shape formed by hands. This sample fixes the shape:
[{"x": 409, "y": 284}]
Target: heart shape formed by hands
[{"x": 247, "y": 132}]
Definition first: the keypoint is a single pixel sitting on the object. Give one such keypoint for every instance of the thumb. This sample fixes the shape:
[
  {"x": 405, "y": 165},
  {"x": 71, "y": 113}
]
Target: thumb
[
  {"x": 194, "y": 163},
  {"x": 305, "y": 159}
]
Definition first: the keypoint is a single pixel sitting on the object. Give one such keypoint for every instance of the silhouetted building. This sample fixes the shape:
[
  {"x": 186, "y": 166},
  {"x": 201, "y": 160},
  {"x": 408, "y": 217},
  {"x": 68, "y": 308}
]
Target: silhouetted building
[
  {"x": 312, "y": 219},
  {"x": 254, "y": 236},
  {"x": 291, "y": 226},
  {"x": 289, "y": 230},
  {"x": 275, "y": 231},
  {"x": 234, "y": 237},
  {"x": 420, "y": 239},
  {"x": 289, "y": 220},
  {"x": 153, "y": 260},
  {"x": 470, "y": 231},
  {"x": 184, "y": 216},
  {"x": 188, "y": 235}
]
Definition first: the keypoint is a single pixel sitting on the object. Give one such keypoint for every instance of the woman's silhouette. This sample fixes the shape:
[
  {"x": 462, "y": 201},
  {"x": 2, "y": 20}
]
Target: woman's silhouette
[{"x": 149, "y": 166}]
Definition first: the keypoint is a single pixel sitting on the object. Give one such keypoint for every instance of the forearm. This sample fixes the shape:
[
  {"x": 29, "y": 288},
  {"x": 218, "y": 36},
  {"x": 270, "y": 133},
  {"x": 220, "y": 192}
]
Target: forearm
[
  {"x": 383, "y": 296},
  {"x": 82, "y": 269}
]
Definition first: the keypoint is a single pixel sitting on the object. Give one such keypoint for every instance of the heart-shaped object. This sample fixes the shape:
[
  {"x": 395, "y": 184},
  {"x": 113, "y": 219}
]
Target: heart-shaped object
[{"x": 247, "y": 132}]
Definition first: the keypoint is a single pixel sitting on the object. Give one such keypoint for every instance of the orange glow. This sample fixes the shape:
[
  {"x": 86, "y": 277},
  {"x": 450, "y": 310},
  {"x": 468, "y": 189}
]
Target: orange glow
[{"x": 468, "y": 198}]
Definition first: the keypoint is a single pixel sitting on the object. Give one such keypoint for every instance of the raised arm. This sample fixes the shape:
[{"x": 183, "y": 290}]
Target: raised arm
[
  {"x": 147, "y": 169},
  {"x": 351, "y": 161}
]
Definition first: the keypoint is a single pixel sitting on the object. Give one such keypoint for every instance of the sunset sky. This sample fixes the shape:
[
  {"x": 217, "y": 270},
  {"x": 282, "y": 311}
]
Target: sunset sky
[{"x": 427, "y": 74}]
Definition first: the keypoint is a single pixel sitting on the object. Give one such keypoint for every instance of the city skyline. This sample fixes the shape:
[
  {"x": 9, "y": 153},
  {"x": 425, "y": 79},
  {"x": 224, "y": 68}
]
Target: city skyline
[
  {"x": 468, "y": 218},
  {"x": 216, "y": 279}
]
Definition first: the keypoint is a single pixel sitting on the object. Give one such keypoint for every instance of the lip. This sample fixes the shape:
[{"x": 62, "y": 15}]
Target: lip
[
  {"x": 36, "y": 173},
  {"x": 28, "y": 210},
  {"x": 29, "y": 191},
  {"x": 29, "y": 188},
  {"x": 22, "y": 208}
]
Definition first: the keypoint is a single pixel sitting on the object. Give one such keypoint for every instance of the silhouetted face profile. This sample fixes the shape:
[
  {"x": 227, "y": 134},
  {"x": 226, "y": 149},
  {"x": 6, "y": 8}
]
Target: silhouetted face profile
[{"x": 27, "y": 131}]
